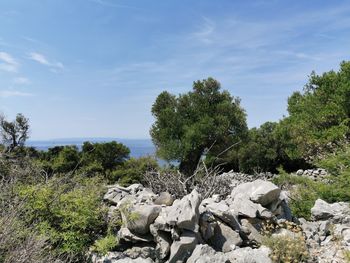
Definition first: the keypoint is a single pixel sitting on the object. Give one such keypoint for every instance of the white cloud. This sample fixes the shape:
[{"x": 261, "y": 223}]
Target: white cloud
[
  {"x": 8, "y": 63},
  {"x": 21, "y": 80},
  {"x": 13, "y": 93},
  {"x": 40, "y": 58}
]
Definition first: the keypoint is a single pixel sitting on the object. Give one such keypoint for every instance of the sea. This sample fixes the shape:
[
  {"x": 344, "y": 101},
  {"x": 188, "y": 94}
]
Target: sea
[{"x": 138, "y": 147}]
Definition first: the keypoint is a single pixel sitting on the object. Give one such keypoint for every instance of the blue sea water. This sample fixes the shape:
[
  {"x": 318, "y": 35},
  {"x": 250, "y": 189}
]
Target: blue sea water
[{"x": 138, "y": 147}]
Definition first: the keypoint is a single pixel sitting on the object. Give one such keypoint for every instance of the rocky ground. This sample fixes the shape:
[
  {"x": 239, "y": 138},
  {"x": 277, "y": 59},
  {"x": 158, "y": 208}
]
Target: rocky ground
[{"x": 239, "y": 228}]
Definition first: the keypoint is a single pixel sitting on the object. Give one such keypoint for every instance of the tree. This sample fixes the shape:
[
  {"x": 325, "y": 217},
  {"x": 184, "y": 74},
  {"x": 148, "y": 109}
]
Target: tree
[
  {"x": 107, "y": 155},
  {"x": 14, "y": 133},
  {"x": 202, "y": 121}
]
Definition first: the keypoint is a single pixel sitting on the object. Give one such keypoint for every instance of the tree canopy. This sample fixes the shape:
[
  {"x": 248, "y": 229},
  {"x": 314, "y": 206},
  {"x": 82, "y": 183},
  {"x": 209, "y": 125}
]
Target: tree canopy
[
  {"x": 204, "y": 120},
  {"x": 14, "y": 133}
]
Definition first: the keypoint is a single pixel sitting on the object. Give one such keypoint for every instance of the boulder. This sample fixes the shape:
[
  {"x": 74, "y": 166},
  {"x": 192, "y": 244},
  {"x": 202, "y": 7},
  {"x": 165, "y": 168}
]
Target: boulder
[
  {"x": 224, "y": 239},
  {"x": 220, "y": 210},
  {"x": 250, "y": 255},
  {"x": 115, "y": 194},
  {"x": 139, "y": 217},
  {"x": 323, "y": 210},
  {"x": 163, "y": 240},
  {"x": 164, "y": 198},
  {"x": 182, "y": 249},
  {"x": 258, "y": 191},
  {"x": 135, "y": 252},
  {"x": 184, "y": 213},
  {"x": 244, "y": 207},
  {"x": 251, "y": 230},
  {"x": 125, "y": 234},
  {"x": 206, "y": 254}
]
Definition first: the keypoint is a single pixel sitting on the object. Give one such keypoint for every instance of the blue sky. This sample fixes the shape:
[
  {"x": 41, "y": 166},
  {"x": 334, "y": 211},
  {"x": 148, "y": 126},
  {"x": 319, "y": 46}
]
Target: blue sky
[{"x": 93, "y": 68}]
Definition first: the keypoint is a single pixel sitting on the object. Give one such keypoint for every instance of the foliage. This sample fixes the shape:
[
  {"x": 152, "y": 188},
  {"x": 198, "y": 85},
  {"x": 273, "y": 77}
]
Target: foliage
[
  {"x": 108, "y": 155},
  {"x": 337, "y": 162},
  {"x": 14, "y": 133},
  {"x": 319, "y": 117},
  {"x": 67, "y": 210},
  {"x": 133, "y": 169},
  {"x": 202, "y": 121},
  {"x": 304, "y": 191},
  {"x": 287, "y": 248},
  {"x": 347, "y": 256},
  {"x": 105, "y": 244}
]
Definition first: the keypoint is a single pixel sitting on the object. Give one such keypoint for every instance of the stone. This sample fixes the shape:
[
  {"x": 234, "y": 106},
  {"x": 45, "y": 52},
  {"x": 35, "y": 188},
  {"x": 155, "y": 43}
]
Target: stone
[
  {"x": 224, "y": 239},
  {"x": 250, "y": 230},
  {"x": 250, "y": 255},
  {"x": 184, "y": 213},
  {"x": 143, "y": 216},
  {"x": 244, "y": 207},
  {"x": 163, "y": 240},
  {"x": 115, "y": 194},
  {"x": 125, "y": 234},
  {"x": 323, "y": 210},
  {"x": 182, "y": 249},
  {"x": 258, "y": 191},
  {"x": 206, "y": 254},
  {"x": 140, "y": 252},
  {"x": 300, "y": 172},
  {"x": 164, "y": 198},
  {"x": 220, "y": 210}
]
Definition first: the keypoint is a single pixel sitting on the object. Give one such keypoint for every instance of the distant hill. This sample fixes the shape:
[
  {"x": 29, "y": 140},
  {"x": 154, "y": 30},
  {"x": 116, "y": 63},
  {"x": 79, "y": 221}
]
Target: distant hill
[{"x": 138, "y": 147}]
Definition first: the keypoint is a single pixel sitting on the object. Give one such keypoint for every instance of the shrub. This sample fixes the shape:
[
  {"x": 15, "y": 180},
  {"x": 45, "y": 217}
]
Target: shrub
[
  {"x": 105, "y": 244},
  {"x": 68, "y": 211},
  {"x": 287, "y": 248}
]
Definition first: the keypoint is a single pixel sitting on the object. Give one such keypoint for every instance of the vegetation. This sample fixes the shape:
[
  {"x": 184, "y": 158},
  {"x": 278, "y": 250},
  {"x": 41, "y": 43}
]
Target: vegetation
[
  {"x": 51, "y": 205},
  {"x": 202, "y": 121}
]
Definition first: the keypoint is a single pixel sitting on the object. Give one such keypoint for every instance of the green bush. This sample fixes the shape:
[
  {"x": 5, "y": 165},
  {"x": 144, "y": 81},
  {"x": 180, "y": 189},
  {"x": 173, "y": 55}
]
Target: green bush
[
  {"x": 287, "y": 248},
  {"x": 105, "y": 244},
  {"x": 304, "y": 191},
  {"x": 68, "y": 211}
]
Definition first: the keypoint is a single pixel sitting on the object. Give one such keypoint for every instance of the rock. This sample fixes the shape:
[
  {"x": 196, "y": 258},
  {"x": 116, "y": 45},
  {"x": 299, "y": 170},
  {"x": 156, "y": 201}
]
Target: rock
[
  {"x": 249, "y": 255},
  {"x": 206, "y": 254},
  {"x": 259, "y": 191},
  {"x": 163, "y": 240},
  {"x": 250, "y": 230},
  {"x": 136, "y": 260},
  {"x": 300, "y": 172},
  {"x": 115, "y": 194},
  {"x": 220, "y": 210},
  {"x": 207, "y": 225},
  {"x": 142, "y": 217},
  {"x": 182, "y": 249},
  {"x": 184, "y": 213},
  {"x": 164, "y": 198},
  {"x": 125, "y": 234},
  {"x": 244, "y": 207},
  {"x": 323, "y": 210},
  {"x": 224, "y": 239},
  {"x": 140, "y": 252}
]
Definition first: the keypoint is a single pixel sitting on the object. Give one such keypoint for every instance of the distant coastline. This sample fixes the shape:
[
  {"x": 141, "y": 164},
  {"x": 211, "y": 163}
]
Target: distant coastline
[{"x": 138, "y": 147}]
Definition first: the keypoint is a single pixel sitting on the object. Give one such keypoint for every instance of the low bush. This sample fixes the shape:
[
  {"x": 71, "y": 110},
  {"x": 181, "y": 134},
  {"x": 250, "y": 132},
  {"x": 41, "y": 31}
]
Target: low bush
[
  {"x": 105, "y": 244},
  {"x": 287, "y": 248},
  {"x": 68, "y": 210}
]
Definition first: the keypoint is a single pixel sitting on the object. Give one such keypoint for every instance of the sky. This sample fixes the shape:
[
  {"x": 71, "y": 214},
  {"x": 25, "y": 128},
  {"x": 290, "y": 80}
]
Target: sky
[{"x": 93, "y": 68}]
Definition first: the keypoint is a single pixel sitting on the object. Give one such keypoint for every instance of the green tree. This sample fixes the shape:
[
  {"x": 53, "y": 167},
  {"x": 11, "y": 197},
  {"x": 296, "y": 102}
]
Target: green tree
[
  {"x": 205, "y": 120},
  {"x": 14, "y": 133},
  {"x": 104, "y": 157},
  {"x": 319, "y": 116}
]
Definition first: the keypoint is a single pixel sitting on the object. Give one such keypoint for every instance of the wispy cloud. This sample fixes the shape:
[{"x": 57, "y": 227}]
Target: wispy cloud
[
  {"x": 14, "y": 93},
  {"x": 8, "y": 63},
  {"x": 111, "y": 4},
  {"x": 21, "y": 80},
  {"x": 40, "y": 58}
]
